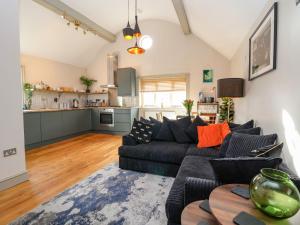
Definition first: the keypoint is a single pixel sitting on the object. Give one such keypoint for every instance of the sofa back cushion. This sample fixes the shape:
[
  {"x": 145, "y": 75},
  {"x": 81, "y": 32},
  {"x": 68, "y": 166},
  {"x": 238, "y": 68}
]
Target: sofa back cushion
[
  {"x": 178, "y": 128},
  {"x": 165, "y": 133},
  {"x": 247, "y": 125},
  {"x": 226, "y": 141},
  {"x": 191, "y": 130},
  {"x": 242, "y": 144},
  {"x": 156, "y": 127},
  {"x": 241, "y": 170}
]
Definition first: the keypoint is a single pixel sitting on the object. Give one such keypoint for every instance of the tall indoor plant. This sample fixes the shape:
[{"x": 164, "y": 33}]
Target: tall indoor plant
[{"x": 87, "y": 82}]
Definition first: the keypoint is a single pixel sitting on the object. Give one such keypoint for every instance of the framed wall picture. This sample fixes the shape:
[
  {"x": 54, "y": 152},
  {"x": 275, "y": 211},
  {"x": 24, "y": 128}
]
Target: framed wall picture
[
  {"x": 208, "y": 76},
  {"x": 263, "y": 45}
]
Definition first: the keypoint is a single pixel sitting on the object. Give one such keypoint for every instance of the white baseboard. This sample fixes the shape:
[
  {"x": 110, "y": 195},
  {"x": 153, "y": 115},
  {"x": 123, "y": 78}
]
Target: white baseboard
[{"x": 10, "y": 182}]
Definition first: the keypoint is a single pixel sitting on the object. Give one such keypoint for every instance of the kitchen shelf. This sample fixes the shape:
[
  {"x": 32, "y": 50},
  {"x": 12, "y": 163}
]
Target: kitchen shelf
[{"x": 69, "y": 92}]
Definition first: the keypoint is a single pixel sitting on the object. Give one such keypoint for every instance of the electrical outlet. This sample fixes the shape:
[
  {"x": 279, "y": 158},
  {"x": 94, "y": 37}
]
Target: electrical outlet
[{"x": 9, "y": 152}]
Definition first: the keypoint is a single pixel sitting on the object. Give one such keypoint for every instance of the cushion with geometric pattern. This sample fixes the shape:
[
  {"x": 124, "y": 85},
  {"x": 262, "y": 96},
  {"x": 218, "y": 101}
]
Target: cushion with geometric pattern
[{"x": 141, "y": 132}]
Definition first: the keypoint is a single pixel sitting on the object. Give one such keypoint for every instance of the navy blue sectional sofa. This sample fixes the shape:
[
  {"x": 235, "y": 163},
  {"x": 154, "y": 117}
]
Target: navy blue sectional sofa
[{"x": 194, "y": 175}]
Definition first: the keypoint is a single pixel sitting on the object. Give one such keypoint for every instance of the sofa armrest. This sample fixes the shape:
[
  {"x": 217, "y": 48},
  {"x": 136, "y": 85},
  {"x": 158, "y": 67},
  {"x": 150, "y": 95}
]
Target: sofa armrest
[
  {"x": 198, "y": 189},
  {"x": 128, "y": 140}
]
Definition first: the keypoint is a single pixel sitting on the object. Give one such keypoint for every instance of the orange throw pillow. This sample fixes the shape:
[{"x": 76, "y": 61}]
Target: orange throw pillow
[{"x": 212, "y": 135}]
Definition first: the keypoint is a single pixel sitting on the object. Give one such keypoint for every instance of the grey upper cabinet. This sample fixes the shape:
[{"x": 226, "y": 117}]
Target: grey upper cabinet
[
  {"x": 32, "y": 128},
  {"x": 126, "y": 81}
]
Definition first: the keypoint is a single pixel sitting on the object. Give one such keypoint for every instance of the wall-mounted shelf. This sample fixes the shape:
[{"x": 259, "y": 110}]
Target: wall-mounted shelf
[{"x": 69, "y": 92}]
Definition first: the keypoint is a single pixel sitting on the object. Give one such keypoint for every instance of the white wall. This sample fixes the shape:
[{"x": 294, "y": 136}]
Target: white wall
[
  {"x": 11, "y": 115},
  {"x": 172, "y": 52},
  {"x": 273, "y": 100},
  {"x": 55, "y": 74}
]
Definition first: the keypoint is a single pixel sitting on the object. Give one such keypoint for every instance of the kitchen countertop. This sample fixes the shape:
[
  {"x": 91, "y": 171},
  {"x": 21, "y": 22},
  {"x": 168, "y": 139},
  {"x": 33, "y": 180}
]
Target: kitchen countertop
[{"x": 71, "y": 109}]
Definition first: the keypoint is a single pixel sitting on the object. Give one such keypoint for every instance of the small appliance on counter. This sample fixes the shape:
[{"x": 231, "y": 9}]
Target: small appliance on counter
[{"x": 75, "y": 103}]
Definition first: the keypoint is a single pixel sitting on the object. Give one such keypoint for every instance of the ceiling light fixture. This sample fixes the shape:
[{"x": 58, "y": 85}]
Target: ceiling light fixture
[
  {"x": 136, "y": 31},
  {"x": 145, "y": 42},
  {"x": 136, "y": 50},
  {"x": 127, "y": 31}
]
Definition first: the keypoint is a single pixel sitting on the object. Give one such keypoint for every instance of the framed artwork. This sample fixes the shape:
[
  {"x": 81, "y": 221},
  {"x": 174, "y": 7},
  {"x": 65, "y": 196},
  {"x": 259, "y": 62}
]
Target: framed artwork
[
  {"x": 263, "y": 45},
  {"x": 207, "y": 76}
]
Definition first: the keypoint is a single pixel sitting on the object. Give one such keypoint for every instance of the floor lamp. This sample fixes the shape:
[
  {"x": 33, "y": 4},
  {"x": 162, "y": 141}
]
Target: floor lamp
[{"x": 230, "y": 88}]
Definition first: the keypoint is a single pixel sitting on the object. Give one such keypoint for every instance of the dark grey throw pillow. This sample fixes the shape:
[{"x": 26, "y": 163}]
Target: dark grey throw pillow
[
  {"x": 226, "y": 141},
  {"x": 143, "y": 120},
  {"x": 165, "y": 133},
  {"x": 178, "y": 129},
  {"x": 192, "y": 129},
  {"x": 242, "y": 144},
  {"x": 267, "y": 151},
  {"x": 141, "y": 132},
  {"x": 156, "y": 127},
  {"x": 235, "y": 127},
  {"x": 241, "y": 170}
]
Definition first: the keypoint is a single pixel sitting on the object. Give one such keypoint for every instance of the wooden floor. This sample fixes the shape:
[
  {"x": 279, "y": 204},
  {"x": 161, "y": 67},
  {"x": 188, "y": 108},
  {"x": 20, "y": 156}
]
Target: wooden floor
[{"x": 54, "y": 168}]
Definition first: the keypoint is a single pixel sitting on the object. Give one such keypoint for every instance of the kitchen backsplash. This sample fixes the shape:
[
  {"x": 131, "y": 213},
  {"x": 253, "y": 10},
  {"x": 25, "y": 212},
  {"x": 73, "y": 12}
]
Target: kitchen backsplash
[{"x": 42, "y": 100}]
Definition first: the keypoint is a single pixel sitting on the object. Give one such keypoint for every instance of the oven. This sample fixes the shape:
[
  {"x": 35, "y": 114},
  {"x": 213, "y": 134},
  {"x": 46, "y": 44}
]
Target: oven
[{"x": 107, "y": 117}]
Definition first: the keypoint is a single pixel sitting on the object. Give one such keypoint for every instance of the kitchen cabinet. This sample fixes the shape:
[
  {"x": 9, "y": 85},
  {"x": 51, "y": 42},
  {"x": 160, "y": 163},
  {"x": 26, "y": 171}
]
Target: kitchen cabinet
[
  {"x": 76, "y": 121},
  {"x": 32, "y": 128},
  {"x": 52, "y": 126},
  {"x": 126, "y": 82}
]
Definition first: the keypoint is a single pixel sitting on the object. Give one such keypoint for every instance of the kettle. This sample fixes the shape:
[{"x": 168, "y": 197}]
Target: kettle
[{"x": 75, "y": 103}]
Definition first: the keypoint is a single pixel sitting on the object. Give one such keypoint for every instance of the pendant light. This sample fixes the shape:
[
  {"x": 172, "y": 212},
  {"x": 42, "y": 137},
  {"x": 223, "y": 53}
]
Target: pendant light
[
  {"x": 136, "y": 32},
  {"x": 128, "y": 31},
  {"x": 136, "y": 50}
]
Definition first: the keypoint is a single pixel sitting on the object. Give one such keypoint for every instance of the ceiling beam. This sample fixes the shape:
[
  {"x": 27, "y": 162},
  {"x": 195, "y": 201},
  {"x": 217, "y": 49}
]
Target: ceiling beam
[
  {"x": 62, "y": 9},
  {"x": 181, "y": 13}
]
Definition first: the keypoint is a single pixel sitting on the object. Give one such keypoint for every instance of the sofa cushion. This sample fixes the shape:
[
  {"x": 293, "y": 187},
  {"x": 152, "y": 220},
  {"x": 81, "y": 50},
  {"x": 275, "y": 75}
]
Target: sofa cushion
[
  {"x": 268, "y": 151},
  {"x": 168, "y": 152},
  {"x": 241, "y": 170},
  {"x": 192, "y": 166},
  {"x": 243, "y": 144},
  {"x": 141, "y": 132},
  {"x": 178, "y": 129},
  {"x": 248, "y": 125},
  {"x": 156, "y": 127},
  {"x": 165, "y": 133},
  {"x": 212, "y": 135},
  {"x": 226, "y": 141},
  {"x": 206, "y": 152},
  {"x": 192, "y": 129}
]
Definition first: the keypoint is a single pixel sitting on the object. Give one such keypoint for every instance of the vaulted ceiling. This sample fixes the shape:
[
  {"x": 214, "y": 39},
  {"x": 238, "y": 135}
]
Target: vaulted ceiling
[{"x": 222, "y": 24}]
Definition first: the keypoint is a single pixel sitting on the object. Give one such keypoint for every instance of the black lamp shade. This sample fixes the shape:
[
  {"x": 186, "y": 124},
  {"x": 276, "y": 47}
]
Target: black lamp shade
[{"x": 230, "y": 88}]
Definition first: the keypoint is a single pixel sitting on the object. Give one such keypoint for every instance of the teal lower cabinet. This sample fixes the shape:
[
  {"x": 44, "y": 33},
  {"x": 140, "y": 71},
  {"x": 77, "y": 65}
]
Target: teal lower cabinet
[
  {"x": 32, "y": 128},
  {"x": 42, "y": 128}
]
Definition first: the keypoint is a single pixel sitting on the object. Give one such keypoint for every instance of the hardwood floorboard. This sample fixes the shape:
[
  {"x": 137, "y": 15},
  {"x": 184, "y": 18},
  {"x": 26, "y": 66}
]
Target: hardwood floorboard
[{"x": 55, "y": 167}]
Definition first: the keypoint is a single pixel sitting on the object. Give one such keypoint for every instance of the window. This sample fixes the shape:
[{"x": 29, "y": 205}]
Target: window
[{"x": 163, "y": 91}]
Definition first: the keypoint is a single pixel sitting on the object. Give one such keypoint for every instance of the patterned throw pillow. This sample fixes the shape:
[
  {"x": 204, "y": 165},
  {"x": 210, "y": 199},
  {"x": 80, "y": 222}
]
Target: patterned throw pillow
[{"x": 141, "y": 132}]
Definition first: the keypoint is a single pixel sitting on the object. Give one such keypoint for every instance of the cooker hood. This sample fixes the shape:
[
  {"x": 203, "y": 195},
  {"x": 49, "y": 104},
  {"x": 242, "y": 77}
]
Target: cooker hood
[{"x": 112, "y": 66}]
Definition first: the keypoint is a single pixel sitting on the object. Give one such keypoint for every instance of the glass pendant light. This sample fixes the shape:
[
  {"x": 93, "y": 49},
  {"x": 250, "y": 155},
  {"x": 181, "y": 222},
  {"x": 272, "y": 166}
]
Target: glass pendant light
[
  {"x": 136, "y": 50},
  {"x": 128, "y": 31},
  {"x": 136, "y": 31}
]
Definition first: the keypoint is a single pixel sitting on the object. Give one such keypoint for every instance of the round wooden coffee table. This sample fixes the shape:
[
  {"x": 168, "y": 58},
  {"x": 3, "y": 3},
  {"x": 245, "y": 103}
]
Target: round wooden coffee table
[
  {"x": 225, "y": 206},
  {"x": 192, "y": 215}
]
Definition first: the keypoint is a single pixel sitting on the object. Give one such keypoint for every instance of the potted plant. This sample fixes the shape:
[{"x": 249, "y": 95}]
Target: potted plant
[
  {"x": 87, "y": 82},
  {"x": 188, "y": 104},
  {"x": 28, "y": 92}
]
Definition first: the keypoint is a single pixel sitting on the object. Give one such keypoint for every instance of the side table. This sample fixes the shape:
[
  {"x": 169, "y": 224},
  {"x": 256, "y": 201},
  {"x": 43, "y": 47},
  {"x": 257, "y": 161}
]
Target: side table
[{"x": 193, "y": 215}]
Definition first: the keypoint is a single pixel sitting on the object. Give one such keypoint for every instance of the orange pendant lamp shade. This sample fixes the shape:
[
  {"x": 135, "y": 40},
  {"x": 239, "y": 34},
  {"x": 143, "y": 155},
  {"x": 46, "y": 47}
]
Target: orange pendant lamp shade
[{"x": 136, "y": 50}]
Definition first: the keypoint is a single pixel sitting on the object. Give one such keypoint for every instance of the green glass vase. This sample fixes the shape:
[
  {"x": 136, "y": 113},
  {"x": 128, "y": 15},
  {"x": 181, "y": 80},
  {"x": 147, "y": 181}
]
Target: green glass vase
[{"x": 273, "y": 192}]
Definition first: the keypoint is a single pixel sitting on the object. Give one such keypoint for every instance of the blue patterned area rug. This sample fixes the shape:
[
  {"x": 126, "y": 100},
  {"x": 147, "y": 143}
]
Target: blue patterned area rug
[{"x": 110, "y": 196}]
